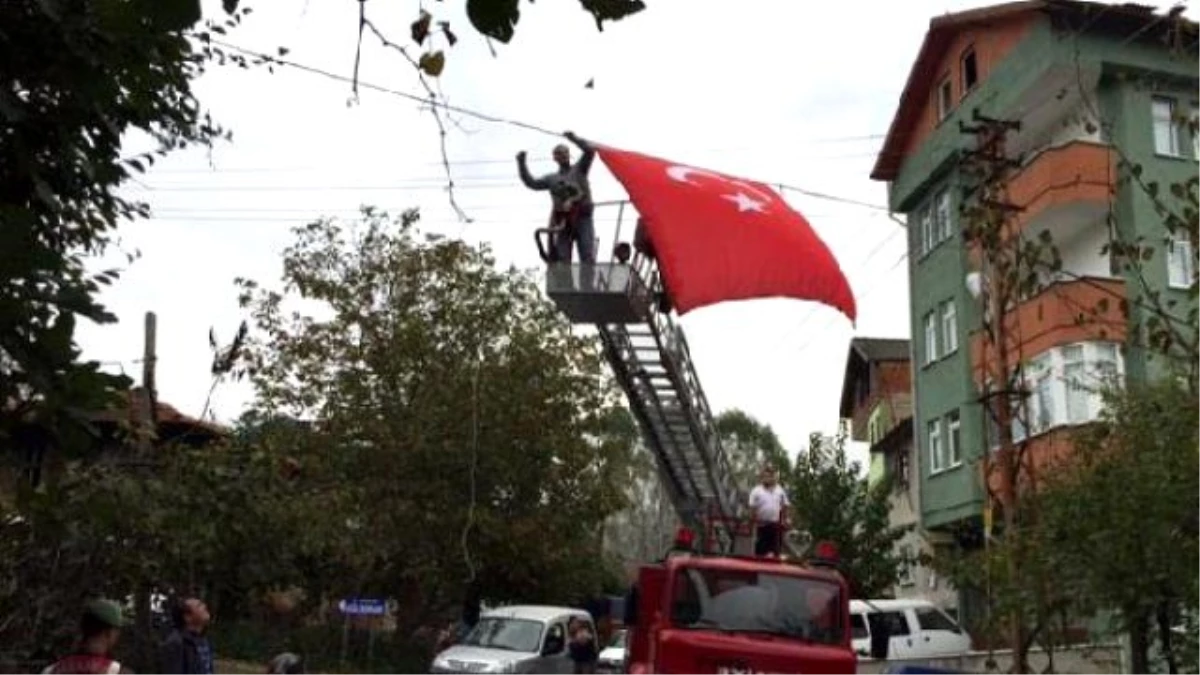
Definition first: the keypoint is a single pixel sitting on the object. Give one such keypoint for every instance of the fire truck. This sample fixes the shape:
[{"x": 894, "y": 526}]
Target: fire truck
[
  {"x": 702, "y": 611},
  {"x": 711, "y": 608}
]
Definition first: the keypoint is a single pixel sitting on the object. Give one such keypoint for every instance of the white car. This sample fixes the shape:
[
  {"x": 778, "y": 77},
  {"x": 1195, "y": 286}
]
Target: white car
[
  {"x": 612, "y": 659},
  {"x": 918, "y": 628}
]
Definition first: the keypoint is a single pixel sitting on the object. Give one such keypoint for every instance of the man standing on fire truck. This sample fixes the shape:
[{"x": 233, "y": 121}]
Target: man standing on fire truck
[{"x": 769, "y": 502}]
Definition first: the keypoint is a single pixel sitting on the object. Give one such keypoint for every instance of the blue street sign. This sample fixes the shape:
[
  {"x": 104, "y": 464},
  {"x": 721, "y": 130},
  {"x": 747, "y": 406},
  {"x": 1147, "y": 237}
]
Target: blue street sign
[{"x": 363, "y": 607}]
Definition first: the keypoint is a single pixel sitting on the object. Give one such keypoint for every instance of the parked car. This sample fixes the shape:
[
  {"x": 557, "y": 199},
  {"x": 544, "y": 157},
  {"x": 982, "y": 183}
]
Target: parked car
[
  {"x": 919, "y": 629},
  {"x": 612, "y": 658},
  {"x": 516, "y": 639}
]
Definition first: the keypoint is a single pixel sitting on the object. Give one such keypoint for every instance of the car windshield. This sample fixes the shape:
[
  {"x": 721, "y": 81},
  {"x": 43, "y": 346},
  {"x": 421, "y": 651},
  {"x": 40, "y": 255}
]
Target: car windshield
[
  {"x": 518, "y": 635},
  {"x": 758, "y": 602}
]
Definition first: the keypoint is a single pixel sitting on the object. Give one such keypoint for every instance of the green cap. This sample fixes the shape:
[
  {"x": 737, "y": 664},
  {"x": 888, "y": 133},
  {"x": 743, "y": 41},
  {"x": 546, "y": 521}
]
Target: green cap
[{"x": 107, "y": 611}]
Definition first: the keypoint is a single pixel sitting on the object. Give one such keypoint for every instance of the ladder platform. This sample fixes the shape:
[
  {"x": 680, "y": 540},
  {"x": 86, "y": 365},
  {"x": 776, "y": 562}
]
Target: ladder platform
[{"x": 601, "y": 293}]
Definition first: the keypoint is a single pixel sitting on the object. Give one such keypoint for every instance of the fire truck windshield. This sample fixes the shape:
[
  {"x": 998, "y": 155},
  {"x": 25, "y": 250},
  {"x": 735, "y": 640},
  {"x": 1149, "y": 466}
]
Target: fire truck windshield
[{"x": 758, "y": 602}]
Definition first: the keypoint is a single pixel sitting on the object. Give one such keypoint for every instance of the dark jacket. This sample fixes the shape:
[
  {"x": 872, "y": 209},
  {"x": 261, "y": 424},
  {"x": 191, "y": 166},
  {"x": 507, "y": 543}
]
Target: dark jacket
[{"x": 185, "y": 653}]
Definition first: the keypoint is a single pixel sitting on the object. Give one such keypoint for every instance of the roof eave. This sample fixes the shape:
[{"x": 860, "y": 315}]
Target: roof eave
[{"x": 887, "y": 164}]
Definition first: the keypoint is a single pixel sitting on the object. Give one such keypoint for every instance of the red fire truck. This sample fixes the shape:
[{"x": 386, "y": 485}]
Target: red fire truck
[{"x": 694, "y": 612}]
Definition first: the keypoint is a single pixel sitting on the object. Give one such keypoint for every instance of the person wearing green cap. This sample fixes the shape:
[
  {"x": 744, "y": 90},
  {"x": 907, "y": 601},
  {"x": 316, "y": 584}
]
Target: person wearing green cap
[{"x": 100, "y": 629}]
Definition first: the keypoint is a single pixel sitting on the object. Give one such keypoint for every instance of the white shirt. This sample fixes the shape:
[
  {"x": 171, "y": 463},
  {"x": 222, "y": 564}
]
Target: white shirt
[{"x": 768, "y": 503}]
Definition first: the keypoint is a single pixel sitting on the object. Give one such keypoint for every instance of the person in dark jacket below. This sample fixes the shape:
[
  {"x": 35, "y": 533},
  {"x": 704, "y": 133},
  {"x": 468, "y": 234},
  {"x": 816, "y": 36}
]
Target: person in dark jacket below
[
  {"x": 187, "y": 650},
  {"x": 582, "y": 646},
  {"x": 100, "y": 628}
]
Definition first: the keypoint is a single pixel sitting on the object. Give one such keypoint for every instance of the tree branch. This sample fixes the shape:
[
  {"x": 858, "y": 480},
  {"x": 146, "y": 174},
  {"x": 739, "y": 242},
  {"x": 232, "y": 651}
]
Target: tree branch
[{"x": 365, "y": 24}]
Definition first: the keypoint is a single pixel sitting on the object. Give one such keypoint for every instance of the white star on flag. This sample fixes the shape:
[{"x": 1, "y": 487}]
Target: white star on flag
[{"x": 746, "y": 203}]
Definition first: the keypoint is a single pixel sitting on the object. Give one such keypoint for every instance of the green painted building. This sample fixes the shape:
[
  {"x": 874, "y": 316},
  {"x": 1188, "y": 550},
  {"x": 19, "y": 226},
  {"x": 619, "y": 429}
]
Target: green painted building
[{"x": 1090, "y": 84}]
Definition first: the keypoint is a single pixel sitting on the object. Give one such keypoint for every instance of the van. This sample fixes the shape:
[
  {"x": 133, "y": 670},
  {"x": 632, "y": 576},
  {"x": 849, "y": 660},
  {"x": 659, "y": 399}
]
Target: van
[
  {"x": 918, "y": 629},
  {"x": 516, "y": 639}
]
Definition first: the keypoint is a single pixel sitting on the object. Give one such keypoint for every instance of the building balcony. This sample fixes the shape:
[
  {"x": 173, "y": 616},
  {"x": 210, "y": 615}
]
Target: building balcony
[
  {"x": 1067, "y": 183},
  {"x": 1044, "y": 455},
  {"x": 1061, "y": 313}
]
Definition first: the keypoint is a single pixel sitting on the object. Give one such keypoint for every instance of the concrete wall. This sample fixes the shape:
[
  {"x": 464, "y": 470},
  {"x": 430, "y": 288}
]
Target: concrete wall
[{"x": 1082, "y": 659}]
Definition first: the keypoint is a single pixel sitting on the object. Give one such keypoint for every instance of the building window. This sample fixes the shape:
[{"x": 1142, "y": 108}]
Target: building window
[
  {"x": 1041, "y": 410},
  {"x": 900, "y": 461},
  {"x": 931, "y": 352},
  {"x": 927, "y": 232},
  {"x": 949, "y": 327},
  {"x": 943, "y": 99},
  {"x": 1166, "y": 128},
  {"x": 970, "y": 71},
  {"x": 905, "y": 576},
  {"x": 945, "y": 225},
  {"x": 1181, "y": 262},
  {"x": 1194, "y": 129},
  {"x": 1065, "y": 388},
  {"x": 937, "y": 457},
  {"x": 953, "y": 440}
]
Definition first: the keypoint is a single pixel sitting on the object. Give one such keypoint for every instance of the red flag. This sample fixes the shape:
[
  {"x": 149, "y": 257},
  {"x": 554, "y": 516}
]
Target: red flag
[{"x": 720, "y": 238}]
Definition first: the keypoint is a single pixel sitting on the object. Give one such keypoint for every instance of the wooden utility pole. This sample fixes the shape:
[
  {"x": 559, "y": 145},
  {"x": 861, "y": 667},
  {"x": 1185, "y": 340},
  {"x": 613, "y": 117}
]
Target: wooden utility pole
[
  {"x": 147, "y": 430},
  {"x": 993, "y": 237},
  {"x": 148, "y": 401}
]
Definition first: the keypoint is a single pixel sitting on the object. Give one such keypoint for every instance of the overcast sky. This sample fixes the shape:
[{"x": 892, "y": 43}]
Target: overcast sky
[{"x": 780, "y": 91}]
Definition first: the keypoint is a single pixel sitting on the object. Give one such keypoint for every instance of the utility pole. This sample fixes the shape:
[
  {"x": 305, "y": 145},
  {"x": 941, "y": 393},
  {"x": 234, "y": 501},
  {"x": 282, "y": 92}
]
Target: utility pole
[
  {"x": 147, "y": 428},
  {"x": 148, "y": 401},
  {"x": 994, "y": 241}
]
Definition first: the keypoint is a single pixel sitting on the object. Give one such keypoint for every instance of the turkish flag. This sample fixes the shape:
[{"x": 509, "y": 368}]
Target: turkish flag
[{"x": 720, "y": 238}]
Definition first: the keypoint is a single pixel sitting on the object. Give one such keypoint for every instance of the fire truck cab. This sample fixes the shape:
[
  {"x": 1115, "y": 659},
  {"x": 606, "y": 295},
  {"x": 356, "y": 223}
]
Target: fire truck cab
[{"x": 698, "y": 613}]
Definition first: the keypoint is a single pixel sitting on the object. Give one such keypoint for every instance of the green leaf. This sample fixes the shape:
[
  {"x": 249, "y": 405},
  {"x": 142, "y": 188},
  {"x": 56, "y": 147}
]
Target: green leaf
[
  {"x": 432, "y": 63},
  {"x": 611, "y": 10},
  {"x": 420, "y": 28},
  {"x": 496, "y": 19}
]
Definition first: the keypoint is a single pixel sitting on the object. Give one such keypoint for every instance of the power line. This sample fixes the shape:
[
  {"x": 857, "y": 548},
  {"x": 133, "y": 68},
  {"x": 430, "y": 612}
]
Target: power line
[
  {"x": 458, "y": 163},
  {"x": 875, "y": 287},
  {"x": 425, "y": 100},
  {"x": 813, "y": 310}
]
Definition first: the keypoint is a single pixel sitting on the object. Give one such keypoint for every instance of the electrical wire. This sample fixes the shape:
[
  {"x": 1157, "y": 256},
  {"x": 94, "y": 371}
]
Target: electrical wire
[
  {"x": 472, "y": 471},
  {"x": 486, "y": 117}
]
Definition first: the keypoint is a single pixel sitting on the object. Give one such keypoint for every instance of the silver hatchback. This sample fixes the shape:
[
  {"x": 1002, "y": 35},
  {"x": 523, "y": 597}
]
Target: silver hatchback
[{"x": 517, "y": 639}]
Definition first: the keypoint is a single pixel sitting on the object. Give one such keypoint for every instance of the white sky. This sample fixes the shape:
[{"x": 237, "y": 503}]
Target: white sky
[{"x": 781, "y": 91}]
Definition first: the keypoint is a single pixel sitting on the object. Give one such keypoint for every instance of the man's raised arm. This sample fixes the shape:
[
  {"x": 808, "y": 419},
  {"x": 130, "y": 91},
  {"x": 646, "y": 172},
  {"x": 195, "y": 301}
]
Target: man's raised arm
[
  {"x": 528, "y": 179},
  {"x": 587, "y": 151}
]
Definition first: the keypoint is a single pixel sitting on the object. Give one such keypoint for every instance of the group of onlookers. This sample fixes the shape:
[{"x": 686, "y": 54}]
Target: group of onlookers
[{"x": 185, "y": 650}]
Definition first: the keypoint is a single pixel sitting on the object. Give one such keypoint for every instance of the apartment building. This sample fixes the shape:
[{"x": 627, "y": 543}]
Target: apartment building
[
  {"x": 877, "y": 402},
  {"x": 1090, "y": 85}
]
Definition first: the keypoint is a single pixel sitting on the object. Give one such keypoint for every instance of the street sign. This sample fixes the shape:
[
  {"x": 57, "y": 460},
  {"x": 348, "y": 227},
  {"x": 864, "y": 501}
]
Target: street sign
[{"x": 363, "y": 607}]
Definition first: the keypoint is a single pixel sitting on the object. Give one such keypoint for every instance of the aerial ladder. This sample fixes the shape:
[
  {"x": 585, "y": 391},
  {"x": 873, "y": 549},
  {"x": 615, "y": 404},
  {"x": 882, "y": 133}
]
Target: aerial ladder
[{"x": 649, "y": 357}]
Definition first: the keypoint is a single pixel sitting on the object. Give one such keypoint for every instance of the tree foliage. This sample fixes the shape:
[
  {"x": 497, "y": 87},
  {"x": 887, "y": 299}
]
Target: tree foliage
[
  {"x": 79, "y": 76},
  {"x": 832, "y": 501},
  {"x": 221, "y": 518},
  {"x": 450, "y": 400},
  {"x": 750, "y": 445},
  {"x": 1121, "y": 514}
]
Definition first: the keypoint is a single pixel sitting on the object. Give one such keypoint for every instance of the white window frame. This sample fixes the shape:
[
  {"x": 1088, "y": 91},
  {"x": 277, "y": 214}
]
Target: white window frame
[
  {"x": 937, "y": 457},
  {"x": 1181, "y": 262},
  {"x": 945, "y": 98},
  {"x": 1194, "y": 129},
  {"x": 944, "y": 218},
  {"x": 953, "y": 440},
  {"x": 1165, "y": 124},
  {"x": 949, "y": 321},
  {"x": 931, "y": 341},
  {"x": 1099, "y": 359},
  {"x": 928, "y": 240}
]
